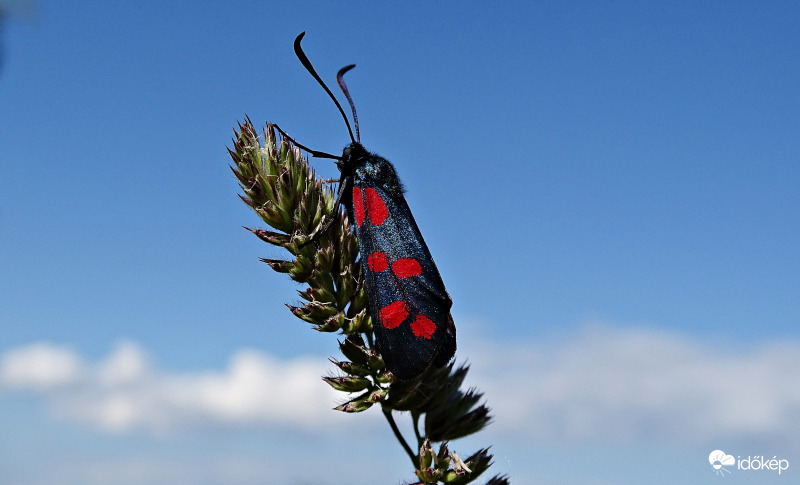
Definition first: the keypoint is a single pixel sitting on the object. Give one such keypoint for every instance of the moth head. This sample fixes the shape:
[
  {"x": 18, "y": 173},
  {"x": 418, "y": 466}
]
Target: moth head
[{"x": 352, "y": 155}]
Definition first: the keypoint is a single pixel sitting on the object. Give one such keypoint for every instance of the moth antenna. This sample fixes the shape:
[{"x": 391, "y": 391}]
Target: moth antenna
[
  {"x": 314, "y": 153},
  {"x": 340, "y": 80},
  {"x": 307, "y": 64}
]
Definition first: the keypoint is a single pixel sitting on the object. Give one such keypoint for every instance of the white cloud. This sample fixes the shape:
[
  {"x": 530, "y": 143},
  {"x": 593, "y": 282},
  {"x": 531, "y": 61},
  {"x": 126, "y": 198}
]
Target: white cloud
[
  {"x": 39, "y": 367},
  {"x": 603, "y": 385},
  {"x": 125, "y": 392},
  {"x": 629, "y": 385}
]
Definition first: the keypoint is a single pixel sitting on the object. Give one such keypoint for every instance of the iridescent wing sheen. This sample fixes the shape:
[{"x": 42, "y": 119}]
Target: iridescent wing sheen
[{"x": 409, "y": 305}]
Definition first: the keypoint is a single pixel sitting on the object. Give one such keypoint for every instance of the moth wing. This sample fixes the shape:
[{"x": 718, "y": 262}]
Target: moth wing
[{"x": 398, "y": 267}]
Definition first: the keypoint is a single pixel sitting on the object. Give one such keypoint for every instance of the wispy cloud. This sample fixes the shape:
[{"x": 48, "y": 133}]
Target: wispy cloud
[
  {"x": 125, "y": 391},
  {"x": 605, "y": 384},
  {"x": 635, "y": 385}
]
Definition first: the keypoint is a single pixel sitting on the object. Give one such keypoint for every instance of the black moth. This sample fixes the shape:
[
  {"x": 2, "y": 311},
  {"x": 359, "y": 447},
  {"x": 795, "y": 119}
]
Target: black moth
[{"x": 408, "y": 303}]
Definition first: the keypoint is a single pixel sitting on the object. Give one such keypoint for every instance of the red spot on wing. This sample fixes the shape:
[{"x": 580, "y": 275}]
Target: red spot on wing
[
  {"x": 394, "y": 314},
  {"x": 406, "y": 268},
  {"x": 376, "y": 208},
  {"x": 377, "y": 262},
  {"x": 358, "y": 205},
  {"x": 423, "y": 327}
]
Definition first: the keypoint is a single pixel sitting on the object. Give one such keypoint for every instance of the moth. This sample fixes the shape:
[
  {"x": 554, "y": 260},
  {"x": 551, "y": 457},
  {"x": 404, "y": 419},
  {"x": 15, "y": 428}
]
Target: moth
[{"x": 407, "y": 300}]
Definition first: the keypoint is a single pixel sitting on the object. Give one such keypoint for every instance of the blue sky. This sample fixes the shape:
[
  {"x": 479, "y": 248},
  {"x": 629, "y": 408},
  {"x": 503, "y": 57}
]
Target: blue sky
[{"x": 608, "y": 188}]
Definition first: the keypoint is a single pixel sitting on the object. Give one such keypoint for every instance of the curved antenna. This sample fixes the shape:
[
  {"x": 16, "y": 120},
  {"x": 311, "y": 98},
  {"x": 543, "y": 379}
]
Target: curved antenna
[
  {"x": 307, "y": 64},
  {"x": 340, "y": 80}
]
